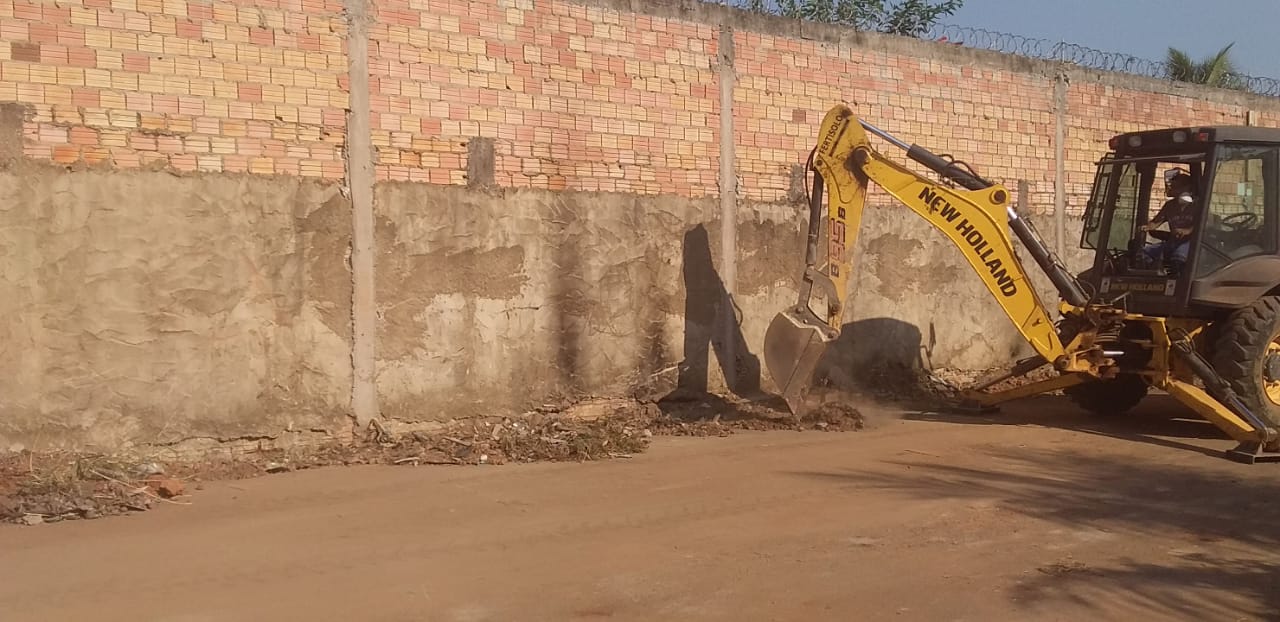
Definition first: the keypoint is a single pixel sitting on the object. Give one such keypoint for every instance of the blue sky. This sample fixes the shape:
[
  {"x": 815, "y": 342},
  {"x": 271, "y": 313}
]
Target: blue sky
[{"x": 1142, "y": 28}]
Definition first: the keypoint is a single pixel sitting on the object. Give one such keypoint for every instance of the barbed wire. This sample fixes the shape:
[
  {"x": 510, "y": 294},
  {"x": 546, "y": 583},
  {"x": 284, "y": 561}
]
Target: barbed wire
[
  {"x": 1049, "y": 50},
  {"x": 1061, "y": 51}
]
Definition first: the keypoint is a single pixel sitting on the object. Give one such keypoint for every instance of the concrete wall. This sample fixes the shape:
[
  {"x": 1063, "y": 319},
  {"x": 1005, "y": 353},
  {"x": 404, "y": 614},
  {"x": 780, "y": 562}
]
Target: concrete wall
[
  {"x": 139, "y": 305},
  {"x": 264, "y": 220}
]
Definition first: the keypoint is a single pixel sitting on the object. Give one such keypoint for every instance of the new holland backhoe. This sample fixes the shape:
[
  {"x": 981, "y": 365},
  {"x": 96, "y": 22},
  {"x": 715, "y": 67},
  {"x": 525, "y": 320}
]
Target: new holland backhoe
[{"x": 1190, "y": 307}]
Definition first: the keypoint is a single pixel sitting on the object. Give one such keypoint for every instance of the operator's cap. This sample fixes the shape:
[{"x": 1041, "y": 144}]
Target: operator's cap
[{"x": 1173, "y": 174}]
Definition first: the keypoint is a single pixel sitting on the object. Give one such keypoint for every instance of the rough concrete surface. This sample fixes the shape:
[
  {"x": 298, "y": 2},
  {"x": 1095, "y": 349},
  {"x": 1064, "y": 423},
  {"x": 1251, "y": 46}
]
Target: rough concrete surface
[
  {"x": 149, "y": 308},
  {"x": 500, "y": 302},
  {"x": 1042, "y": 513},
  {"x": 490, "y": 302},
  {"x": 144, "y": 307}
]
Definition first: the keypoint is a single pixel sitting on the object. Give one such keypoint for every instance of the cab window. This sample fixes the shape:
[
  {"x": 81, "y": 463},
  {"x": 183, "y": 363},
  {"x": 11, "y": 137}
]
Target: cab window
[{"x": 1241, "y": 207}]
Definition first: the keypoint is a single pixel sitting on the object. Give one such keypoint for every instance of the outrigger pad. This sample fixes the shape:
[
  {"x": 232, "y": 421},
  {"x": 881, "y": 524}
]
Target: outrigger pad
[{"x": 1251, "y": 453}]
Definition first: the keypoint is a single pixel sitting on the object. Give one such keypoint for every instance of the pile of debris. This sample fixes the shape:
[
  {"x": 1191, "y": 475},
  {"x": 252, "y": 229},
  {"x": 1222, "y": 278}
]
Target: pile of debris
[{"x": 50, "y": 488}]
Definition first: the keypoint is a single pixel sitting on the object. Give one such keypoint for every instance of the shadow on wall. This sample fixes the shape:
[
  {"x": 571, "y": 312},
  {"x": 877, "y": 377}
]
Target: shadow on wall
[
  {"x": 874, "y": 351},
  {"x": 868, "y": 353},
  {"x": 704, "y": 316}
]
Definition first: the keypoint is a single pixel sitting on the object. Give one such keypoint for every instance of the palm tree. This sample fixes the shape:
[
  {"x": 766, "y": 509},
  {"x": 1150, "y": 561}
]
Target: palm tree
[{"x": 1217, "y": 70}]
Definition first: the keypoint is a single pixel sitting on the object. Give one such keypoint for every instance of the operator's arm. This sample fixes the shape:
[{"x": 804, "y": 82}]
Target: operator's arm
[{"x": 1160, "y": 218}]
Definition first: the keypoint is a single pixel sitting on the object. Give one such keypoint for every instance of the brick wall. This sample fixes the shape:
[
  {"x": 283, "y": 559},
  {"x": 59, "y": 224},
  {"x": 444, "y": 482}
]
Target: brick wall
[
  {"x": 211, "y": 86},
  {"x": 1097, "y": 112},
  {"x": 574, "y": 96},
  {"x": 996, "y": 119}
]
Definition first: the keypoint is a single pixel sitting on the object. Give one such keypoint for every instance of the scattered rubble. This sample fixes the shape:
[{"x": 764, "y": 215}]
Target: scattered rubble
[{"x": 47, "y": 488}]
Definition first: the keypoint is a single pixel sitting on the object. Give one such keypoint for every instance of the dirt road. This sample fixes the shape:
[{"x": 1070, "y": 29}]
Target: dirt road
[{"x": 1035, "y": 515}]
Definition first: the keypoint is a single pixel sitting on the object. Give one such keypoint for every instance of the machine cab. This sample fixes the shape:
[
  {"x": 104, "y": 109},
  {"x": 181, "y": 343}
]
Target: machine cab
[{"x": 1218, "y": 247}]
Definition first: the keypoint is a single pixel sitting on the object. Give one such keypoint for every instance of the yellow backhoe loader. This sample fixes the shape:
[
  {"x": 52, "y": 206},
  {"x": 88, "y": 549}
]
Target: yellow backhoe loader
[{"x": 1193, "y": 310}]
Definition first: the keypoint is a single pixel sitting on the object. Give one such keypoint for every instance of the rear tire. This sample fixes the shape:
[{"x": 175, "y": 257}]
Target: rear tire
[
  {"x": 1246, "y": 354},
  {"x": 1109, "y": 397}
]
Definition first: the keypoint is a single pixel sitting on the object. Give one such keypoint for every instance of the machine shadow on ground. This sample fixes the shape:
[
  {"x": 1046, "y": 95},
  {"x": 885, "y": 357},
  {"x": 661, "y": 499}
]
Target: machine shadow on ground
[
  {"x": 1158, "y": 420},
  {"x": 1223, "y": 528}
]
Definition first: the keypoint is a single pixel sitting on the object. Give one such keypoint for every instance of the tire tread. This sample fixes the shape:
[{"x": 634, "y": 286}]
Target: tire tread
[{"x": 1239, "y": 350}]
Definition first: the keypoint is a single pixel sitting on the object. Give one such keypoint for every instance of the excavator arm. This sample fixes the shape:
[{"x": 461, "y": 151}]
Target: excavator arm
[{"x": 975, "y": 217}]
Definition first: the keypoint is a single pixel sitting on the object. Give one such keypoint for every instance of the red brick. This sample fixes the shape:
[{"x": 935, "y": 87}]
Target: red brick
[
  {"x": 122, "y": 157},
  {"x": 66, "y": 154},
  {"x": 83, "y": 136},
  {"x": 28, "y": 11},
  {"x": 250, "y": 92},
  {"x": 273, "y": 148},
  {"x": 82, "y": 57},
  {"x": 286, "y": 166},
  {"x": 51, "y": 134},
  {"x": 53, "y": 15},
  {"x": 193, "y": 106},
  {"x": 334, "y": 117},
  {"x": 169, "y": 144},
  {"x": 43, "y": 32},
  {"x": 85, "y": 98},
  {"x": 199, "y": 12},
  {"x": 95, "y": 155},
  {"x": 261, "y": 36},
  {"x": 234, "y": 163},
  {"x": 189, "y": 30},
  {"x": 138, "y": 101},
  {"x": 166, "y": 104},
  {"x": 137, "y": 63},
  {"x": 184, "y": 162},
  {"x": 71, "y": 36}
]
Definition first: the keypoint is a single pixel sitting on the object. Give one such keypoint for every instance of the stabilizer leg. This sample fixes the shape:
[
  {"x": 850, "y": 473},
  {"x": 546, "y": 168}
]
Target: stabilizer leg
[{"x": 1252, "y": 453}]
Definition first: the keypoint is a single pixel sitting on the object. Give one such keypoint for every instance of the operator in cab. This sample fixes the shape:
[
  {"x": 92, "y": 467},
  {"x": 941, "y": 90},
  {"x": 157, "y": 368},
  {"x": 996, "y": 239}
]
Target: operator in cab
[{"x": 1180, "y": 212}]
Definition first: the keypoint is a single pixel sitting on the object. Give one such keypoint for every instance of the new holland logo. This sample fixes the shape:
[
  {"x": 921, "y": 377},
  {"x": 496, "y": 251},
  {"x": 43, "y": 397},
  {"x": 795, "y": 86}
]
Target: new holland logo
[{"x": 973, "y": 237}]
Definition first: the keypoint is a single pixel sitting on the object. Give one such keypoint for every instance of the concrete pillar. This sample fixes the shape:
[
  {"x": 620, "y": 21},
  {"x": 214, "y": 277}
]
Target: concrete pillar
[
  {"x": 1060, "y": 163},
  {"x": 728, "y": 206},
  {"x": 360, "y": 180}
]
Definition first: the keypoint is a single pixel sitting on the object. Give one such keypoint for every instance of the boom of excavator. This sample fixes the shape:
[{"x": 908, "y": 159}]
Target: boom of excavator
[{"x": 1092, "y": 343}]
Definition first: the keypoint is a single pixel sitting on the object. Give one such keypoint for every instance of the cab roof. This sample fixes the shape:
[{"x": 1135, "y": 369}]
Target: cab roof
[{"x": 1196, "y": 134}]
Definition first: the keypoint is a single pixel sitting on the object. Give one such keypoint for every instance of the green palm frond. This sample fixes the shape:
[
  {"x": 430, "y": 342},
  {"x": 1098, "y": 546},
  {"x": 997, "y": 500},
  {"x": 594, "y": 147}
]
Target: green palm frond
[{"x": 1218, "y": 70}]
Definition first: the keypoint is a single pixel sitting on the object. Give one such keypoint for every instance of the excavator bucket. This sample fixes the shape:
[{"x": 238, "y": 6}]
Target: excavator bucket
[{"x": 793, "y": 345}]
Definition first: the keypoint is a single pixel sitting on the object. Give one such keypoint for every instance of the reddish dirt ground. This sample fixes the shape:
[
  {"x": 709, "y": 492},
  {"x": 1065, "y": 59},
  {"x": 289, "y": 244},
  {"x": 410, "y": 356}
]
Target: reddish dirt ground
[{"x": 1039, "y": 513}]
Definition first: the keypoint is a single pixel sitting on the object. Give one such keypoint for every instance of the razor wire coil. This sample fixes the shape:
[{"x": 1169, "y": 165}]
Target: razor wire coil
[
  {"x": 1050, "y": 50},
  {"x": 1064, "y": 52}
]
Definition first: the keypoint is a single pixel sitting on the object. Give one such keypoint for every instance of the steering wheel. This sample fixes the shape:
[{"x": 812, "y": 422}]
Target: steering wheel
[{"x": 1249, "y": 218}]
